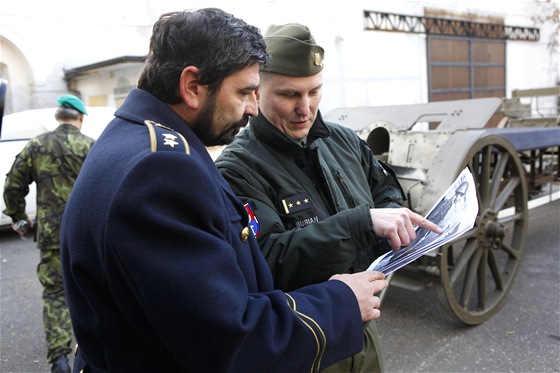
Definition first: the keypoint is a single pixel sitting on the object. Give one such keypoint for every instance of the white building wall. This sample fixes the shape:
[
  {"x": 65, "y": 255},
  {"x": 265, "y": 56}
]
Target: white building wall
[
  {"x": 112, "y": 78},
  {"x": 14, "y": 63},
  {"x": 362, "y": 67}
]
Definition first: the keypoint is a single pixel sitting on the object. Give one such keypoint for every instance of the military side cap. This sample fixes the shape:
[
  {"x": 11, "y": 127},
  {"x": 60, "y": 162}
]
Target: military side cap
[
  {"x": 293, "y": 50},
  {"x": 71, "y": 101}
]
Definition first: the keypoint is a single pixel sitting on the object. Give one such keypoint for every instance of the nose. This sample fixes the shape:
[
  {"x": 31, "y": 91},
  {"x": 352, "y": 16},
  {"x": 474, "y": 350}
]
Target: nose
[
  {"x": 252, "y": 107},
  {"x": 302, "y": 106}
]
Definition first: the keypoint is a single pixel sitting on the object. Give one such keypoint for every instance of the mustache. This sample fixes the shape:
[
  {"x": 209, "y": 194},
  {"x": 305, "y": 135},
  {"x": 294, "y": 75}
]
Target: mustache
[
  {"x": 241, "y": 123},
  {"x": 237, "y": 125}
]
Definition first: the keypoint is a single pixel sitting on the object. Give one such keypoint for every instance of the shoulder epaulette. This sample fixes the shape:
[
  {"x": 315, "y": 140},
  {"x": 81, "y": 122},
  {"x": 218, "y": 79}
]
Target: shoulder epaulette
[{"x": 164, "y": 138}]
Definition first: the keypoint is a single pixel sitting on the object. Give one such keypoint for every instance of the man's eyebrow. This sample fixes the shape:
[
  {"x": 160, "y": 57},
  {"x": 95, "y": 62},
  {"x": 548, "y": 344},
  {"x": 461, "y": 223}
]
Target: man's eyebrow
[
  {"x": 319, "y": 86},
  {"x": 250, "y": 88}
]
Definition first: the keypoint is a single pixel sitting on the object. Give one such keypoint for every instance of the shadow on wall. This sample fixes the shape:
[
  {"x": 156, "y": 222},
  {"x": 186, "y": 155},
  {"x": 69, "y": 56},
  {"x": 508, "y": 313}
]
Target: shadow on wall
[{"x": 3, "y": 89}]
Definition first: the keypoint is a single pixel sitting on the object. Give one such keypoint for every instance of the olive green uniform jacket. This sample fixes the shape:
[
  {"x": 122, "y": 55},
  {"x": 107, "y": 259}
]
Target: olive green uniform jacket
[
  {"x": 311, "y": 201},
  {"x": 51, "y": 160}
]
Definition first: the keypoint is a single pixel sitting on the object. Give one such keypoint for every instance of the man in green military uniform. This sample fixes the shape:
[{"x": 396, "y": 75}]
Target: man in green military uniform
[
  {"x": 320, "y": 202},
  {"x": 52, "y": 160}
]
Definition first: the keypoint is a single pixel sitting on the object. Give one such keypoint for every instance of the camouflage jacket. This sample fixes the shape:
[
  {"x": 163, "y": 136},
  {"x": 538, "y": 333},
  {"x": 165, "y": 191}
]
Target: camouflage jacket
[{"x": 51, "y": 160}]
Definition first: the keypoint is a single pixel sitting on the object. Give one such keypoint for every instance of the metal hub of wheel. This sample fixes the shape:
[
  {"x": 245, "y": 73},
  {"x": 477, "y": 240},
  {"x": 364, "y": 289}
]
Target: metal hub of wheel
[{"x": 478, "y": 269}]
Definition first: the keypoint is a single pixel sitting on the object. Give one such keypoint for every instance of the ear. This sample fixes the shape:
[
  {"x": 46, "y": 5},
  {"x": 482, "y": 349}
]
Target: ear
[
  {"x": 80, "y": 121},
  {"x": 189, "y": 88}
]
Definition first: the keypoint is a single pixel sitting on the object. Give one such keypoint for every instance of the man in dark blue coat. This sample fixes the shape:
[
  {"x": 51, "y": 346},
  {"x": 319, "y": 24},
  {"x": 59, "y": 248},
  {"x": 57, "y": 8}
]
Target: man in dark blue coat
[{"x": 161, "y": 270}]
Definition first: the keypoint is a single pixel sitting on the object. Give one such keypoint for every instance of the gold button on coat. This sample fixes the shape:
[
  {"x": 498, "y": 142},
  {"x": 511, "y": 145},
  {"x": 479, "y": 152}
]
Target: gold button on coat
[{"x": 245, "y": 234}]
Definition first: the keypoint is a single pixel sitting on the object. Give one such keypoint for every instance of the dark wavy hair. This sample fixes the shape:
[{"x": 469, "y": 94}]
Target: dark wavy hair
[{"x": 214, "y": 41}]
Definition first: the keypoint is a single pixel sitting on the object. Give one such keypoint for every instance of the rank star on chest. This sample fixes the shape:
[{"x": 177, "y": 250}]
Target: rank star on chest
[{"x": 296, "y": 203}]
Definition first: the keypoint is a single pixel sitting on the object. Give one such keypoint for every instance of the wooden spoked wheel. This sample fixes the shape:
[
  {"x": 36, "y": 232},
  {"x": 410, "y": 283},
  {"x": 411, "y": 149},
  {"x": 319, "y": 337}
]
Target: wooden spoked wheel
[{"x": 478, "y": 269}]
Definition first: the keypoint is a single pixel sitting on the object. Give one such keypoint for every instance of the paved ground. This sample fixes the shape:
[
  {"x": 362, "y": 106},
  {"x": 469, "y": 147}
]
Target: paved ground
[
  {"x": 417, "y": 336},
  {"x": 524, "y": 336}
]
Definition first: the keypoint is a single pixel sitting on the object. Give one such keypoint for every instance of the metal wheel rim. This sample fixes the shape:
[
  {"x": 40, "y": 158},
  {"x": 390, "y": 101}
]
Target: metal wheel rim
[{"x": 478, "y": 269}]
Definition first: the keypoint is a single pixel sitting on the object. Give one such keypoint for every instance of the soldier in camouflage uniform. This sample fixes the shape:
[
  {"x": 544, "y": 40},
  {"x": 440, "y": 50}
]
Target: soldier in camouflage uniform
[{"x": 51, "y": 160}]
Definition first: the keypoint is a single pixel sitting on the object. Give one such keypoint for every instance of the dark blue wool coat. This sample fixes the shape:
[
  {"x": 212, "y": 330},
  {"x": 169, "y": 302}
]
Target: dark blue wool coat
[{"x": 160, "y": 271}]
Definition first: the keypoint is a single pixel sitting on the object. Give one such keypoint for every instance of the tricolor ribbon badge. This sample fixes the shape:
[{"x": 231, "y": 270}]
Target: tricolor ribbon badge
[{"x": 253, "y": 222}]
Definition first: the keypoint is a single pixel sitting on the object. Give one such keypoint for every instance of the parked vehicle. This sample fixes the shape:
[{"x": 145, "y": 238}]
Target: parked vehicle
[{"x": 18, "y": 128}]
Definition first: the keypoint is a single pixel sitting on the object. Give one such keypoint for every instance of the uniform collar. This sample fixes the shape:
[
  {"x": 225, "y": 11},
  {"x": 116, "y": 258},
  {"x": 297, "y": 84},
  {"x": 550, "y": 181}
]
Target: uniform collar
[
  {"x": 141, "y": 106},
  {"x": 273, "y": 137},
  {"x": 67, "y": 127}
]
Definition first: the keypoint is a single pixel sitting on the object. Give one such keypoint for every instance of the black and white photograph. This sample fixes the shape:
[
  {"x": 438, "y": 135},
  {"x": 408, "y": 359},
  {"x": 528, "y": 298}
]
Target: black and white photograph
[{"x": 455, "y": 212}]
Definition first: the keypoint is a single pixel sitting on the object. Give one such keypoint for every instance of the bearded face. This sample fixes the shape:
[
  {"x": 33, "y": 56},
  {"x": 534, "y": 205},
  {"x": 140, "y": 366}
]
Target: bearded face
[{"x": 215, "y": 124}]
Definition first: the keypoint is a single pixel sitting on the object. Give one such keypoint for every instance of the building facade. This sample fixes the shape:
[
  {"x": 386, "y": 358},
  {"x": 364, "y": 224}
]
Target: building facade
[{"x": 376, "y": 52}]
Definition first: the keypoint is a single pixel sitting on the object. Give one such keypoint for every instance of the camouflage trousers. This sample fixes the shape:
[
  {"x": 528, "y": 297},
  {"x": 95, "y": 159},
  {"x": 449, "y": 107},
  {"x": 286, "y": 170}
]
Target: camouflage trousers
[{"x": 56, "y": 317}]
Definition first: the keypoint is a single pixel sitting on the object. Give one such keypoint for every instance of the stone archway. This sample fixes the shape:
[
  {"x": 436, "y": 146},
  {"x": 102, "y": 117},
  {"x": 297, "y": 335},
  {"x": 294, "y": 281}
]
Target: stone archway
[{"x": 16, "y": 70}]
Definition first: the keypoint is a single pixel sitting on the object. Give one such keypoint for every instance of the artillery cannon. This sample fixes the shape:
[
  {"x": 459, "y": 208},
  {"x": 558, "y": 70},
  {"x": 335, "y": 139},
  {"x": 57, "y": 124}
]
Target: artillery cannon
[{"x": 428, "y": 145}]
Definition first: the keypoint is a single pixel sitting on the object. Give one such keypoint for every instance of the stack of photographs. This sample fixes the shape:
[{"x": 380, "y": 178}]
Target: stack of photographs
[{"x": 455, "y": 213}]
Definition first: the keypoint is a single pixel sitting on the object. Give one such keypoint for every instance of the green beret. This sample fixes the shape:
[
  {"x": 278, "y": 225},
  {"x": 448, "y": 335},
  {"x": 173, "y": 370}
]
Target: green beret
[
  {"x": 292, "y": 51},
  {"x": 73, "y": 102}
]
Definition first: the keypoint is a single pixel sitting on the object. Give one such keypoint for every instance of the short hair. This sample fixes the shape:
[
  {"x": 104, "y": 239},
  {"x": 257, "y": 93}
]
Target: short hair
[
  {"x": 214, "y": 41},
  {"x": 65, "y": 113}
]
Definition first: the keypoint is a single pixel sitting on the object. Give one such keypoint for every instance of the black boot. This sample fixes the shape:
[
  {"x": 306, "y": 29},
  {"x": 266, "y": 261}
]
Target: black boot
[{"x": 60, "y": 365}]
